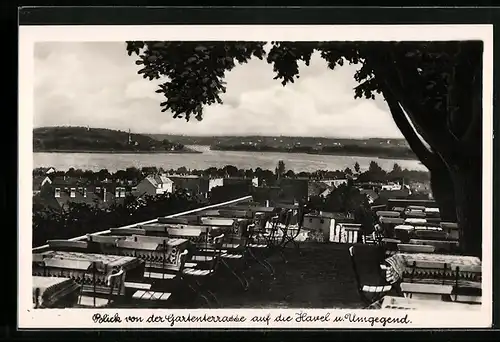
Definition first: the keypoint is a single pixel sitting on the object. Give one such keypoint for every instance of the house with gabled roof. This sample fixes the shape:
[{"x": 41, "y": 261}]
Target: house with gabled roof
[
  {"x": 39, "y": 182},
  {"x": 66, "y": 190},
  {"x": 155, "y": 184}
]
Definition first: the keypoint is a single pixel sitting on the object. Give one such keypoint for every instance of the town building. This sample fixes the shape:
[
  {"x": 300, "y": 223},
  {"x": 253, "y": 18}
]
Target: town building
[
  {"x": 335, "y": 182},
  {"x": 152, "y": 185},
  {"x": 65, "y": 190},
  {"x": 39, "y": 182},
  {"x": 316, "y": 188},
  {"x": 293, "y": 190},
  {"x": 214, "y": 182},
  {"x": 370, "y": 194},
  {"x": 194, "y": 185},
  {"x": 326, "y": 223}
]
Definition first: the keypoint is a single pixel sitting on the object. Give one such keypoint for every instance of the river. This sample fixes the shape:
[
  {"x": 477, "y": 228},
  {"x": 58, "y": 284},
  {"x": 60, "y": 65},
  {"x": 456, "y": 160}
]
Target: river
[{"x": 200, "y": 161}]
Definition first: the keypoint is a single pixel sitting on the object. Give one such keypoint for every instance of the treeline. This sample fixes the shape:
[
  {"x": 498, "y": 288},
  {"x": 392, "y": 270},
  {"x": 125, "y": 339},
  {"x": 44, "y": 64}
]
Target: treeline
[
  {"x": 374, "y": 173},
  {"x": 394, "y": 152},
  {"x": 78, "y": 219},
  {"x": 356, "y": 150},
  {"x": 96, "y": 139}
]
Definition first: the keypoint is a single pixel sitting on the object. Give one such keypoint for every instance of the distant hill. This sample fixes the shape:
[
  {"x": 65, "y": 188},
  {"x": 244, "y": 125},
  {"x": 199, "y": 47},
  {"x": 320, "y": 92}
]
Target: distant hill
[
  {"x": 98, "y": 140},
  {"x": 379, "y": 147},
  {"x": 279, "y": 141}
]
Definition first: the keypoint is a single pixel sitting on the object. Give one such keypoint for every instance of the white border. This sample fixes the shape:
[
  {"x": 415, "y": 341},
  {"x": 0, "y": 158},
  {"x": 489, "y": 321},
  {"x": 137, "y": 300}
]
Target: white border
[{"x": 81, "y": 318}]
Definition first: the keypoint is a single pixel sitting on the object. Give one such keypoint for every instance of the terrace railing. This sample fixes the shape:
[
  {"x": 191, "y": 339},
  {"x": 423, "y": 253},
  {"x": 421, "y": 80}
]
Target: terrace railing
[{"x": 155, "y": 220}]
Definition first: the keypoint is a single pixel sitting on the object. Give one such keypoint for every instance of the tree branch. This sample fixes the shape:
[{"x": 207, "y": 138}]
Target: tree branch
[
  {"x": 428, "y": 158},
  {"x": 385, "y": 69}
]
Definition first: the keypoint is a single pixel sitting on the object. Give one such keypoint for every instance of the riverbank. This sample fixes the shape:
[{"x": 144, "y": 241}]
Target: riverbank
[
  {"x": 119, "y": 152},
  {"x": 361, "y": 155},
  {"x": 339, "y": 153}
]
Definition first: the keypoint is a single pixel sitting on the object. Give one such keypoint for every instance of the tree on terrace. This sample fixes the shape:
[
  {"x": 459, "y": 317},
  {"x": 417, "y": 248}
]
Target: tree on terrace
[{"x": 433, "y": 90}]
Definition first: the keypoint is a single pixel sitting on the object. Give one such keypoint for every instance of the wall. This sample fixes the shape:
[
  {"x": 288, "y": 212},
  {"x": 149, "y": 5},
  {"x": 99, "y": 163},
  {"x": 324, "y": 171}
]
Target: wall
[
  {"x": 229, "y": 192},
  {"x": 213, "y": 182},
  {"x": 334, "y": 182},
  {"x": 255, "y": 181},
  {"x": 318, "y": 223},
  {"x": 167, "y": 187},
  {"x": 333, "y": 234}
]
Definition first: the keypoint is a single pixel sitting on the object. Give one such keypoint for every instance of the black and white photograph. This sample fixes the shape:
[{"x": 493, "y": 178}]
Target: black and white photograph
[{"x": 244, "y": 172}]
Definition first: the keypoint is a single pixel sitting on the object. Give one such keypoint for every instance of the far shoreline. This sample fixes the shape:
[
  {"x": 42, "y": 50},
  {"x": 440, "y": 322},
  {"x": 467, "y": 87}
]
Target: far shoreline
[
  {"x": 117, "y": 152},
  {"x": 319, "y": 153}
]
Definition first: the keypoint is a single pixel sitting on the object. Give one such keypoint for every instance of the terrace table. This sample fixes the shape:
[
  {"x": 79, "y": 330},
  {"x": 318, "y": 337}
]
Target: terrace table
[
  {"x": 451, "y": 228},
  {"x": 464, "y": 271},
  {"x": 165, "y": 251},
  {"x": 447, "y": 246},
  {"x": 402, "y": 303},
  {"x": 415, "y": 221},
  {"x": 50, "y": 292},
  {"x": 386, "y": 213},
  {"x": 390, "y": 245},
  {"x": 429, "y": 234},
  {"x": 234, "y": 228},
  {"x": 415, "y": 248},
  {"x": 187, "y": 219},
  {"x": 93, "y": 271},
  {"x": 194, "y": 233},
  {"x": 253, "y": 209},
  {"x": 228, "y": 213}
]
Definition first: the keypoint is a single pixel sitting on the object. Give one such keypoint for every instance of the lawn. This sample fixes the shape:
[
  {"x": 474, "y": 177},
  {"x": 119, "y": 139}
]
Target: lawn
[{"x": 321, "y": 277}]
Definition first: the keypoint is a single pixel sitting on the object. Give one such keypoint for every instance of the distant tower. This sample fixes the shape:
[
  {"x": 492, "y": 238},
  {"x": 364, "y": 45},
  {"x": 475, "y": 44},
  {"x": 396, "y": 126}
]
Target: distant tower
[{"x": 129, "y": 137}]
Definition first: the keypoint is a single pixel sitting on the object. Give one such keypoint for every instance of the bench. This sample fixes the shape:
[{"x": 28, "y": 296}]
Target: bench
[
  {"x": 137, "y": 286},
  {"x": 91, "y": 302},
  {"x": 414, "y": 248},
  {"x": 151, "y": 295},
  {"x": 426, "y": 291}
]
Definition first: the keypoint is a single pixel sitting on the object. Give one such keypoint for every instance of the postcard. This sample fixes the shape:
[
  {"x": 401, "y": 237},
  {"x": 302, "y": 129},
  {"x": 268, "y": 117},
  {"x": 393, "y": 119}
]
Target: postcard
[{"x": 255, "y": 176}]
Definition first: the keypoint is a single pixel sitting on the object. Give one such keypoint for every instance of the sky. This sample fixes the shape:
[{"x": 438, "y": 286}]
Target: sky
[{"x": 96, "y": 84}]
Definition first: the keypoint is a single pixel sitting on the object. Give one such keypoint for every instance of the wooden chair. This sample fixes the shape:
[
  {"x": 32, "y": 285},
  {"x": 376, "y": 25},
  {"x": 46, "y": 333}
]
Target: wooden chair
[
  {"x": 202, "y": 267},
  {"x": 294, "y": 233},
  {"x": 95, "y": 300},
  {"x": 279, "y": 237},
  {"x": 368, "y": 293},
  {"x": 164, "y": 282},
  {"x": 375, "y": 238},
  {"x": 259, "y": 239},
  {"x": 233, "y": 256}
]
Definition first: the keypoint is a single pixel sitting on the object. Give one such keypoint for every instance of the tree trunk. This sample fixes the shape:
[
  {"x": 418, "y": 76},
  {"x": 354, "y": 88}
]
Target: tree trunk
[
  {"x": 443, "y": 191},
  {"x": 441, "y": 183},
  {"x": 467, "y": 180}
]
